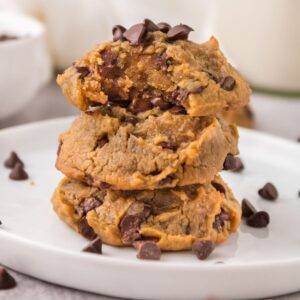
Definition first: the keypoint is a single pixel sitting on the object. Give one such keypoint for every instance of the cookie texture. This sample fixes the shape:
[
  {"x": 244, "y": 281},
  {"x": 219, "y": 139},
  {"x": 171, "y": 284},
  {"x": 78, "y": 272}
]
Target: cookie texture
[
  {"x": 173, "y": 218},
  {"x": 109, "y": 147},
  {"x": 243, "y": 117},
  {"x": 157, "y": 72}
]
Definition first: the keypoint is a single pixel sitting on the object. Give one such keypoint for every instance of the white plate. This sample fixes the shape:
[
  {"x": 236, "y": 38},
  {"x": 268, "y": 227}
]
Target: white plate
[{"x": 257, "y": 262}]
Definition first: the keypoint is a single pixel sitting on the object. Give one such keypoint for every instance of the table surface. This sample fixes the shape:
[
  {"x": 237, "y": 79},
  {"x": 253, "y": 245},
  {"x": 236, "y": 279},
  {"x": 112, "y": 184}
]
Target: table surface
[{"x": 278, "y": 115}]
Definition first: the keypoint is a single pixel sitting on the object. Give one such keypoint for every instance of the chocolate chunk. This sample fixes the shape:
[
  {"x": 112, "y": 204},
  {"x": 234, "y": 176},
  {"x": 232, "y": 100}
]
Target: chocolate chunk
[
  {"x": 179, "y": 32},
  {"x": 160, "y": 102},
  {"x": 121, "y": 103},
  {"x": 259, "y": 220},
  {"x": 135, "y": 34},
  {"x": 6, "y": 280},
  {"x": 151, "y": 26},
  {"x": 163, "y": 62},
  {"x": 12, "y": 160},
  {"x": 220, "y": 220},
  {"x": 95, "y": 246},
  {"x": 166, "y": 180},
  {"x": 227, "y": 83},
  {"x": 203, "y": 248},
  {"x": 129, "y": 228},
  {"x": 219, "y": 187},
  {"x": 148, "y": 250},
  {"x": 268, "y": 192},
  {"x": 117, "y": 32},
  {"x": 18, "y": 172},
  {"x": 176, "y": 110},
  {"x": 163, "y": 27},
  {"x": 59, "y": 148},
  {"x": 167, "y": 145},
  {"x": 90, "y": 203},
  {"x": 109, "y": 66},
  {"x": 86, "y": 230},
  {"x": 130, "y": 120},
  {"x": 140, "y": 209},
  {"x": 139, "y": 105},
  {"x": 191, "y": 190},
  {"x": 247, "y": 209},
  {"x": 104, "y": 185},
  {"x": 102, "y": 141},
  {"x": 233, "y": 163},
  {"x": 83, "y": 71}
]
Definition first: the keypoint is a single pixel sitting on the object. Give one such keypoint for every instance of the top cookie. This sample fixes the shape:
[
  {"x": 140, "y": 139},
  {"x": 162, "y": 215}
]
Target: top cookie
[{"x": 150, "y": 65}]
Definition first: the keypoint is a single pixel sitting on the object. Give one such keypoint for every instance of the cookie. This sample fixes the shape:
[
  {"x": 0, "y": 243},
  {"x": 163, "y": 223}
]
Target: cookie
[
  {"x": 173, "y": 218},
  {"x": 111, "y": 148},
  {"x": 241, "y": 117},
  {"x": 156, "y": 69}
]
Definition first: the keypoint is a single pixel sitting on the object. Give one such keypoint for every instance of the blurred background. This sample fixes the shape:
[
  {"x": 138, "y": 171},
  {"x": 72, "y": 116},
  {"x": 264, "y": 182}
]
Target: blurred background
[{"x": 39, "y": 38}]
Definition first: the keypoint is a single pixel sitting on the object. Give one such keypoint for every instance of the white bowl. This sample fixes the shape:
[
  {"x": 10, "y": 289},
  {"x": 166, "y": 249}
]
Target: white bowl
[{"x": 24, "y": 62}]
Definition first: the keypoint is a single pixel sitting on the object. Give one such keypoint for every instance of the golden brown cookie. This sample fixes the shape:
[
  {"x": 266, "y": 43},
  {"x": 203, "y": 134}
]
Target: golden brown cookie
[
  {"x": 158, "y": 70},
  {"x": 111, "y": 148},
  {"x": 174, "y": 218},
  {"x": 241, "y": 117}
]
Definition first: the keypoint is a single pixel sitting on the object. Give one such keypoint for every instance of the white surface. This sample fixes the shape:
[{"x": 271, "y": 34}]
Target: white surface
[
  {"x": 35, "y": 242},
  {"x": 24, "y": 63}
]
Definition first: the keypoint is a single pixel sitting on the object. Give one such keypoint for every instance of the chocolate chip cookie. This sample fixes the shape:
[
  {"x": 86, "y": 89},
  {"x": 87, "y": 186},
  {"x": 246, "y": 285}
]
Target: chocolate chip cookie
[
  {"x": 153, "y": 65},
  {"x": 241, "y": 117},
  {"x": 173, "y": 218},
  {"x": 112, "y": 148}
]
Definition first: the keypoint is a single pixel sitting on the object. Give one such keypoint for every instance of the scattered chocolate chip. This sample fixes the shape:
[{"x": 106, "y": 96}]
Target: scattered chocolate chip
[
  {"x": 6, "y": 37},
  {"x": 140, "y": 209},
  {"x": 148, "y": 250},
  {"x": 247, "y": 209},
  {"x": 135, "y": 34},
  {"x": 166, "y": 180},
  {"x": 239, "y": 166},
  {"x": 130, "y": 120},
  {"x": 203, "y": 248},
  {"x": 18, "y": 172},
  {"x": 102, "y": 141},
  {"x": 163, "y": 27},
  {"x": 86, "y": 230},
  {"x": 176, "y": 110},
  {"x": 163, "y": 62},
  {"x": 268, "y": 192},
  {"x": 90, "y": 203},
  {"x": 232, "y": 163},
  {"x": 129, "y": 228},
  {"x": 95, "y": 246},
  {"x": 83, "y": 71},
  {"x": 139, "y": 105},
  {"x": 12, "y": 160},
  {"x": 89, "y": 179},
  {"x": 6, "y": 280},
  {"x": 151, "y": 26},
  {"x": 227, "y": 83},
  {"x": 179, "y": 32},
  {"x": 121, "y": 103},
  {"x": 104, "y": 185},
  {"x": 117, "y": 32},
  {"x": 59, "y": 148},
  {"x": 191, "y": 191},
  {"x": 167, "y": 145},
  {"x": 220, "y": 220},
  {"x": 259, "y": 220},
  {"x": 160, "y": 102},
  {"x": 219, "y": 187},
  {"x": 109, "y": 66}
]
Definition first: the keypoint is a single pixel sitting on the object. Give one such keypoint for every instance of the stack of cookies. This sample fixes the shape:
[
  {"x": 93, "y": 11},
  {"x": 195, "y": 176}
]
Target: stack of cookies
[{"x": 142, "y": 159}]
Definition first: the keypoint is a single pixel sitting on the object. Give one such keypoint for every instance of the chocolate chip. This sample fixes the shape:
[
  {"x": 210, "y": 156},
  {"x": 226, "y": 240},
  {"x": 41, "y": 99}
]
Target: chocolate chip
[
  {"x": 109, "y": 66},
  {"x": 86, "y": 230},
  {"x": 102, "y": 141},
  {"x": 135, "y": 33},
  {"x": 191, "y": 191},
  {"x": 104, "y": 185},
  {"x": 227, "y": 83},
  {"x": 6, "y": 280},
  {"x": 90, "y": 203},
  {"x": 259, "y": 220},
  {"x": 268, "y": 192},
  {"x": 233, "y": 163},
  {"x": 140, "y": 209},
  {"x": 151, "y": 26},
  {"x": 203, "y": 248},
  {"x": 219, "y": 187},
  {"x": 247, "y": 208},
  {"x": 12, "y": 160},
  {"x": 167, "y": 145},
  {"x": 117, "y": 32},
  {"x": 121, "y": 103},
  {"x": 130, "y": 120},
  {"x": 6, "y": 37},
  {"x": 179, "y": 32},
  {"x": 94, "y": 246},
  {"x": 129, "y": 228},
  {"x": 83, "y": 71},
  {"x": 139, "y": 105},
  {"x": 220, "y": 220},
  {"x": 176, "y": 110},
  {"x": 163, "y": 62},
  {"x": 163, "y": 27},
  {"x": 166, "y": 180},
  {"x": 59, "y": 148},
  {"x": 160, "y": 102},
  {"x": 148, "y": 250},
  {"x": 18, "y": 172}
]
